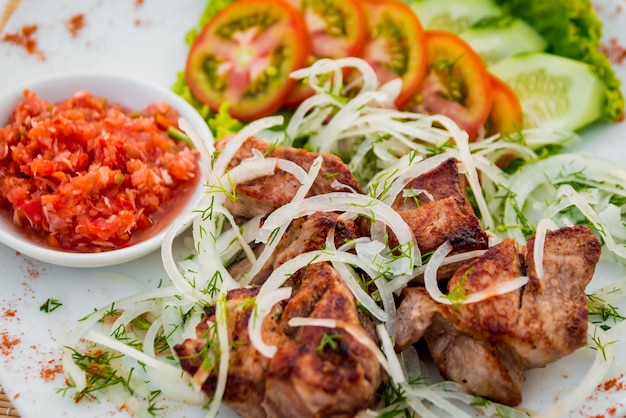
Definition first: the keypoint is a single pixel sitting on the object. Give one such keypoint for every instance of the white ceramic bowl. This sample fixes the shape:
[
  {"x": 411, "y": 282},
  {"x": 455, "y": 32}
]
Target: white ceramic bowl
[{"x": 131, "y": 92}]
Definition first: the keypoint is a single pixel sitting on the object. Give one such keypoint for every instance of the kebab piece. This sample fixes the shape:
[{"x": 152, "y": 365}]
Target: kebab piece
[
  {"x": 487, "y": 346},
  {"x": 306, "y": 377},
  {"x": 265, "y": 194}
]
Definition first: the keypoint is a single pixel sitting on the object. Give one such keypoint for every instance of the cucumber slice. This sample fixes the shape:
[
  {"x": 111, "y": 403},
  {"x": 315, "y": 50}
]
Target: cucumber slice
[
  {"x": 499, "y": 38},
  {"x": 453, "y": 15},
  {"x": 555, "y": 92}
]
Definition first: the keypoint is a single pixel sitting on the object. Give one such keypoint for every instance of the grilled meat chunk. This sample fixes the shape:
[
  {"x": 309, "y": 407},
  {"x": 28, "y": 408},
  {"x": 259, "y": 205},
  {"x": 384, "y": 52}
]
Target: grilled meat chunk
[
  {"x": 247, "y": 368},
  {"x": 486, "y": 346},
  {"x": 486, "y": 370},
  {"x": 442, "y": 182},
  {"x": 265, "y": 194},
  {"x": 545, "y": 320},
  {"x": 303, "y": 235},
  {"x": 445, "y": 220},
  {"x": 413, "y": 317},
  {"x": 441, "y": 212},
  {"x": 306, "y": 378}
]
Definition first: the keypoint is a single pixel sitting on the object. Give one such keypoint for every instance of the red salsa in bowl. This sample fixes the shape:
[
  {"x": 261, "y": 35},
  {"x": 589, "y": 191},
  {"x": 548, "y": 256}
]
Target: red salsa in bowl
[{"x": 89, "y": 174}]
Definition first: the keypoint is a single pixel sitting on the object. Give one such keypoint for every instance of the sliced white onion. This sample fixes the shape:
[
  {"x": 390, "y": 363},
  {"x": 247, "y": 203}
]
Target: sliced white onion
[
  {"x": 236, "y": 141},
  {"x": 543, "y": 227},
  {"x": 430, "y": 273},
  {"x": 347, "y": 202},
  {"x": 221, "y": 318},
  {"x": 399, "y": 283},
  {"x": 430, "y": 281},
  {"x": 264, "y": 304},
  {"x": 306, "y": 180}
]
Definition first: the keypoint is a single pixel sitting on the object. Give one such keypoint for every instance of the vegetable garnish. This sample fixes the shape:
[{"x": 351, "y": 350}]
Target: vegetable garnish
[
  {"x": 395, "y": 46},
  {"x": 573, "y": 30},
  {"x": 50, "y": 305},
  {"x": 386, "y": 148},
  {"x": 500, "y": 32},
  {"x": 244, "y": 56}
]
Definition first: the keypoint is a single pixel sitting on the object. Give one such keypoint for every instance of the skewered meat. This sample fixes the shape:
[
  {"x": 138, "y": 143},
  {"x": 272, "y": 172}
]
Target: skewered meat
[
  {"x": 486, "y": 346},
  {"x": 265, "y": 194},
  {"x": 305, "y": 378}
]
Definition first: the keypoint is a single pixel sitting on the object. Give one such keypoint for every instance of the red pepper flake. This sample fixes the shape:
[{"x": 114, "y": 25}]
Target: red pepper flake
[
  {"x": 138, "y": 3},
  {"x": 8, "y": 343},
  {"x": 615, "y": 52},
  {"x": 9, "y": 313},
  {"x": 49, "y": 372},
  {"x": 615, "y": 384},
  {"x": 25, "y": 38},
  {"x": 75, "y": 24}
]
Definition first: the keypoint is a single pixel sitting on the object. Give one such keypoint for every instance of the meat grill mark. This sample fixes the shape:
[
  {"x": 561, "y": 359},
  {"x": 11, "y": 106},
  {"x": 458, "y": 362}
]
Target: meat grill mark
[{"x": 303, "y": 235}]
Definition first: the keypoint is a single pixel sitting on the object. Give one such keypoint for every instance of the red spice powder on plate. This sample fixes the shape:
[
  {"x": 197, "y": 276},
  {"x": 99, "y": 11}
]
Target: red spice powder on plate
[
  {"x": 49, "y": 371},
  {"x": 615, "y": 384},
  {"x": 75, "y": 24},
  {"x": 615, "y": 52},
  {"x": 25, "y": 38},
  {"x": 8, "y": 343},
  {"x": 84, "y": 175},
  {"x": 9, "y": 313}
]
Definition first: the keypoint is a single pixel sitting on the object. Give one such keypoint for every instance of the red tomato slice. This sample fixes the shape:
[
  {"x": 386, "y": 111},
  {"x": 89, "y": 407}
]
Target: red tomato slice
[
  {"x": 337, "y": 29},
  {"x": 244, "y": 56},
  {"x": 395, "y": 46},
  {"x": 457, "y": 84},
  {"x": 506, "y": 114}
]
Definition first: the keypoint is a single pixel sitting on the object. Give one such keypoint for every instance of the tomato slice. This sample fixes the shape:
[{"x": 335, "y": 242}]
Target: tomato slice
[
  {"x": 457, "y": 83},
  {"x": 395, "y": 46},
  {"x": 336, "y": 28},
  {"x": 244, "y": 56},
  {"x": 506, "y": 115}
]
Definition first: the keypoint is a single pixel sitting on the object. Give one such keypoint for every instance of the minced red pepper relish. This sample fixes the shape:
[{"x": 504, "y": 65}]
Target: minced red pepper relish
[{"x": 88, "y": 175}]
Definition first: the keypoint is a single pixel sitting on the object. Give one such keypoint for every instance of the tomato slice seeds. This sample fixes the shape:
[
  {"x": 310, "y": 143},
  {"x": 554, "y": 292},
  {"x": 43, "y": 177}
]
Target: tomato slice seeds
[{"x": 244, "y": 56}]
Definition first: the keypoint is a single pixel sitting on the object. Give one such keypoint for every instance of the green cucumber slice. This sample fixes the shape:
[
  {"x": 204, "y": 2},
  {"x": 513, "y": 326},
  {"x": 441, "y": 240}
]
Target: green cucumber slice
[
  {"x": 555, "y": 92},
  {"x": 453, "y": 15},
  {"x": 497, "y": 38}
]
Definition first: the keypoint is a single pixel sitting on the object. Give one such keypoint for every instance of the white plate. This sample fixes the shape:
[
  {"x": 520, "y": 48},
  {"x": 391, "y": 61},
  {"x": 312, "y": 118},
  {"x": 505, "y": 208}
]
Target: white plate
[{"x": 146, "y": 39}]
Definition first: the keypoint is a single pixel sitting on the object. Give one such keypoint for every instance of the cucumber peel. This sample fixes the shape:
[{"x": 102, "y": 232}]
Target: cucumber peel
[
  {"x": 453, "y": 15},
  {"x": 496, "y": 38}
]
